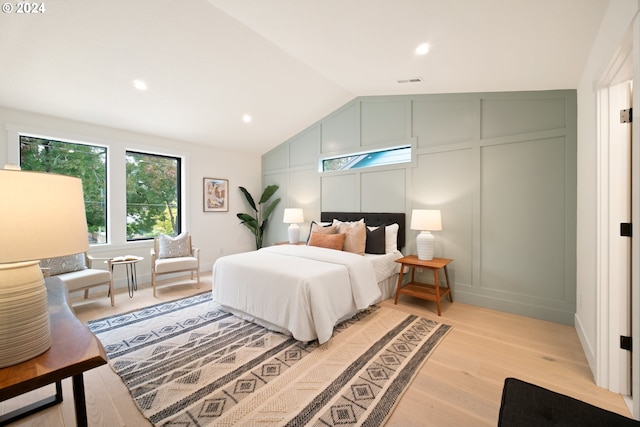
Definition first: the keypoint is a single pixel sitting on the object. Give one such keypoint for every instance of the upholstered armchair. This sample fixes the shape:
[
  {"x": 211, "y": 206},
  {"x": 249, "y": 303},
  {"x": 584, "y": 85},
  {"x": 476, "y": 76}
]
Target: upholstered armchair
[
  {"x": 77, "y": 272},
  {"x": 174, "y": 255}
]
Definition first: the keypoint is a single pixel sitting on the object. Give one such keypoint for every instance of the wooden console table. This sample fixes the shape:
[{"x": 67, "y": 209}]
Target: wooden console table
[
  {"x": 423, "y": 290},
  {"x": 74, "y": 349}
]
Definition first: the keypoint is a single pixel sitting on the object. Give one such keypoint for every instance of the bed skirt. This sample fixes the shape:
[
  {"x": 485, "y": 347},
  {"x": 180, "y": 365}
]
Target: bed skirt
[{"x": 387, "y": 289}]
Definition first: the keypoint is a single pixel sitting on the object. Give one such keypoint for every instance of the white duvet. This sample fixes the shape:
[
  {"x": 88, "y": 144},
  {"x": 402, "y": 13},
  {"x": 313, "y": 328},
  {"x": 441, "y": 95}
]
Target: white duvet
[{"x": 302, "y": 290}]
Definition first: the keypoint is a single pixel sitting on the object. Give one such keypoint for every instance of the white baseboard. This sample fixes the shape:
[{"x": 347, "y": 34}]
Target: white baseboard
[{"x": 587, "y": 347}]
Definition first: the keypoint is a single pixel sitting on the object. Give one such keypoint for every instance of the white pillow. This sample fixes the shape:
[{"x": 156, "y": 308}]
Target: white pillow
[{"x": 390, "y": 237}]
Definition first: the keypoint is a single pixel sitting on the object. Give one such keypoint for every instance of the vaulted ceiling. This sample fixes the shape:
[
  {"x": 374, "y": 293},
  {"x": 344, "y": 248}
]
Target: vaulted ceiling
[{"x": 286, "y": 63}]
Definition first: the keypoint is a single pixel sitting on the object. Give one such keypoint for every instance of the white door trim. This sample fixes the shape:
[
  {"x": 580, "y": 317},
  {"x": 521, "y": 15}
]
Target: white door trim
[
  {"x": 613, "y": 251},
  {"x": 635, "y": 217}
]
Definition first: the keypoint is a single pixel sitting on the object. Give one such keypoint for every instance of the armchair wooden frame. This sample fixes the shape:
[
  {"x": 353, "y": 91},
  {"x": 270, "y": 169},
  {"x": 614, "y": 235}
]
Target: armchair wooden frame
[
  {"x": 83, "y": 279},
  {"x": 161, "y": 266}
]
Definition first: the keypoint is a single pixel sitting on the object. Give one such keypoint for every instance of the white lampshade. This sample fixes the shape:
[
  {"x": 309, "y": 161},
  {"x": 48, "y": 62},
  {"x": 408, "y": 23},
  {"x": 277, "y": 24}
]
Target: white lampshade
[
  {"x": 293, "y": 216},
  {"x": 426, "y": 221},
  {"x": 41, "y": 216}
]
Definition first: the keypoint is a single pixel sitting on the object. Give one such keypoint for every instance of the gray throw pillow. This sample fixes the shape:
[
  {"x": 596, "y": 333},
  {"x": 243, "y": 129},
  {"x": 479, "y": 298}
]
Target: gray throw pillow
[
  {"x": 173, "y": 247},
  {"x": 64, "y": 264}
]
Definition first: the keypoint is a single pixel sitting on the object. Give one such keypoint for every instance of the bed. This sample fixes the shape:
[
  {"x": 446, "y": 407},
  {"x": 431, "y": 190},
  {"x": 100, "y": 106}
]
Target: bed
[{"x": 305, "y": 290}]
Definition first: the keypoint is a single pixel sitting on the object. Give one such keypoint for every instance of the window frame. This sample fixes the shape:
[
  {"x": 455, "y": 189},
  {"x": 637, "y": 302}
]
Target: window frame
[
  {"x": 180, "y": 203},
  {"x": 379, "y": 148},
  {"x": 63, "y": 140},
  {"x": 116, "y": 146}
]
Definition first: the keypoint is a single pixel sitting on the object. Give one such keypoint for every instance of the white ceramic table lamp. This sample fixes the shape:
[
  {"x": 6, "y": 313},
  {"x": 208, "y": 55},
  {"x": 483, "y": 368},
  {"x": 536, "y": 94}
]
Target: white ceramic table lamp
[
  {"x": 41, "y": 216},
  {"x": 293, "y": 216},
  {"x": 426, "y": 221}
]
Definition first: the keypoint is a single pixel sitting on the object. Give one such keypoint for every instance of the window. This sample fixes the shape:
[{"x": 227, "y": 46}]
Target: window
[
  {"x": 84, "y": 161},
  {"x": 388, "y": 156},
  {"x": 153, "y": 195}
]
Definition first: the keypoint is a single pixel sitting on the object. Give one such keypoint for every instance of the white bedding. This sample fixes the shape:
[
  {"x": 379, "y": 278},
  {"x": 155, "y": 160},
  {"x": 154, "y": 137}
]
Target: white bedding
[
  {"x": 385, "y": 265},
  {"x": 302, "y": 290}
]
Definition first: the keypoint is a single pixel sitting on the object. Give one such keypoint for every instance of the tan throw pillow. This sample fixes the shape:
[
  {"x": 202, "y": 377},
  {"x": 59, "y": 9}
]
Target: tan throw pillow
[
  {"x": 329, "y": 241},
  {"x": 355, "y": 236},
  {"x": 173, "y": 247},
  {"x": 321, "y": 229}
]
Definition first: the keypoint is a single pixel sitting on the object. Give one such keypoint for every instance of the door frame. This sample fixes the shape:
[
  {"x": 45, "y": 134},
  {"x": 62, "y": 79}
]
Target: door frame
[
  {"x": 629, "y": 55},
  {"x": 635, "y": 218},
  {"x": 614, "y": 272},
  {"x": 615, "y": 369}
]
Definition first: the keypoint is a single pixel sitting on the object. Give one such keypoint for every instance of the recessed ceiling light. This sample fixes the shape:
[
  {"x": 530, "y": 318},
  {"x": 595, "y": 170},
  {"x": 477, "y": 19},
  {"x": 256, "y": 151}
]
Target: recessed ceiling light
[
  {"x": 423, "y": 49},
  {"x": 139, "y": 84},
  {"x": 246, "y": 118}
]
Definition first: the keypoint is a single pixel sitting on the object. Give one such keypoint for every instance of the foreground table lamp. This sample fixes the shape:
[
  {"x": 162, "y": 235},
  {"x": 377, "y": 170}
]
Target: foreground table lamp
[
  {"x": 426, "y": 221},
  {"x": 293, "y": 216},
  {"x": 41, "y": 216}
]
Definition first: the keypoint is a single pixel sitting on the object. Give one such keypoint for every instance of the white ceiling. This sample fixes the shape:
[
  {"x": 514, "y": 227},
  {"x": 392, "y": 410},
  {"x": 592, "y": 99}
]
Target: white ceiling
[{"x": 288, "y": 63}]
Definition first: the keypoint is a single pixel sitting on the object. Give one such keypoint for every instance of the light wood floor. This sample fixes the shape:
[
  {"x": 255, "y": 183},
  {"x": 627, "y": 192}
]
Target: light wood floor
[{"x": 460, "y": 385}]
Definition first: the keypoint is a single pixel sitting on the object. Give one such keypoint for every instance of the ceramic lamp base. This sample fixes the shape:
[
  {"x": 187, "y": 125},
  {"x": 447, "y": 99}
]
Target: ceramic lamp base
[
  {"x": 294, "y": 233},
  {"x": 425, "y": 243},
  {"x": 24, "y": 313}
]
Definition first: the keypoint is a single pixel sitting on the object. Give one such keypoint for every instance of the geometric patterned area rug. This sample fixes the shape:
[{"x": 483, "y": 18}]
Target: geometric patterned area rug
[{"x": 189, "y": 363}]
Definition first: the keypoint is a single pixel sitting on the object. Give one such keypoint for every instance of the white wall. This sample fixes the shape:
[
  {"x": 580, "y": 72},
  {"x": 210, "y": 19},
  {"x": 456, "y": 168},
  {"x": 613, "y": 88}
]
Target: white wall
[
  {"x": 591, "y": 294},
  {"x": 215, "y": 233}
]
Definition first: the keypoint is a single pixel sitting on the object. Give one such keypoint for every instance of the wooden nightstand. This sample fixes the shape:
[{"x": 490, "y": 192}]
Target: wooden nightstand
[{"x": 423, "y": 290}]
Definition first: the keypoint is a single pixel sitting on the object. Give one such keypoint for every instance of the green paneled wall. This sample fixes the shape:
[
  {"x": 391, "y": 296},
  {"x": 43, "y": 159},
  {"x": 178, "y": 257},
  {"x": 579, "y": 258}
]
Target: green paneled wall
[{"x": 500, "y": 166}]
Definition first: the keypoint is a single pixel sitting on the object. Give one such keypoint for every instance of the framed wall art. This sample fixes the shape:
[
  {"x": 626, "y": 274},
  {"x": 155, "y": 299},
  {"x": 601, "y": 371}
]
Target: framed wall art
[{"x": 216, "y": 195}]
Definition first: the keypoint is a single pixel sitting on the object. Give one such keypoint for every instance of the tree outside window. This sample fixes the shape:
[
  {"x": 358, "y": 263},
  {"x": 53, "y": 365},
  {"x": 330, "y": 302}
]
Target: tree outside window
[
  {"x": 84, "y": 161},
  {"x": 153, "y": 195}
]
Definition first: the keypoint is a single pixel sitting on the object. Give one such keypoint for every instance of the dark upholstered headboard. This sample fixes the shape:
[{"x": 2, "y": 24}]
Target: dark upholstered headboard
[{"x": 372, "y": 219}]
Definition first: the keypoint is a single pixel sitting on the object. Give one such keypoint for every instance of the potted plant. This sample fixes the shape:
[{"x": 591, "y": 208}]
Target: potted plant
[{"x": 258, "y": 223}]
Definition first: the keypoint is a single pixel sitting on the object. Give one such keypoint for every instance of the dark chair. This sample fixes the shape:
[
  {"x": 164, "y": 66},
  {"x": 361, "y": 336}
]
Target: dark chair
[{"x": 528, "y": 405}]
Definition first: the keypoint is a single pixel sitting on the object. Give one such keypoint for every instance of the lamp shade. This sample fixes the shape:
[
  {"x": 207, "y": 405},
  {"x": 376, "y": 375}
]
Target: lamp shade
[
  {"x": 42, "y": 215},
  {"x": 293, "y": 216},
  {"x": 426, "y": 220}
]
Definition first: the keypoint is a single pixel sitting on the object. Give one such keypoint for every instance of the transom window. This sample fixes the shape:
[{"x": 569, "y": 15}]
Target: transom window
[
  {"x": 84, "y": 161},
  {"x": 388, "y": 156},
  {"x": 153, "y": 195}
]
